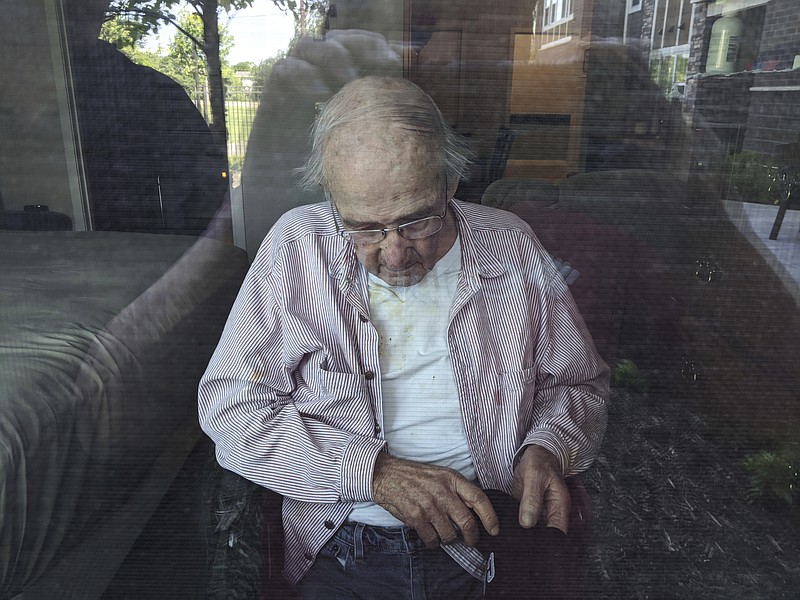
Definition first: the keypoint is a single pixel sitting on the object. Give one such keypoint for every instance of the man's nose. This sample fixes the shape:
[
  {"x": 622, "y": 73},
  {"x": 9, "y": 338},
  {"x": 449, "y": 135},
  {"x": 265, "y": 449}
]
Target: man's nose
[{"x": 394, "y": 248}]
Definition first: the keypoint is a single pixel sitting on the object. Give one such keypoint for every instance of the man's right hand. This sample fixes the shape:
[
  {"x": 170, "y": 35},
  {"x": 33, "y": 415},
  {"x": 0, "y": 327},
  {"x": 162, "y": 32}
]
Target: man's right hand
[{"x": 435, "y": 501}]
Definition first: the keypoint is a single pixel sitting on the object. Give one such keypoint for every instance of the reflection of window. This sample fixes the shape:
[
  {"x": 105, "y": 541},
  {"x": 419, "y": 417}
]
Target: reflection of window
[
  {"x": 634, "y": 5},
  {"x": 668, "y": 68},
  {"x": 556, "y": 21},
  {"x": 555, "y": 12}
]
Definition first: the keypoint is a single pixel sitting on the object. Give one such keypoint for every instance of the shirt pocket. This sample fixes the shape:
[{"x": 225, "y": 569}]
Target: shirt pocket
[
  {"x": 517, "y": 390},
  {"x": 340, "y": 385},
  {"x": 342, "y": 400},
  {"x": 518, "y": 380}
]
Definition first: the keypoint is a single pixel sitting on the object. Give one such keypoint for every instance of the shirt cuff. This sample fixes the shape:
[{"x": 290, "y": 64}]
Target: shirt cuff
[{"x": 358, "y": 465}]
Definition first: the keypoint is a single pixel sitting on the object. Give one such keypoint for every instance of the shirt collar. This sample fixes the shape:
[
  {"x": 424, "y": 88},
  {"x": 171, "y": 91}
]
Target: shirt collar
[{"x": 477, "y": 259}]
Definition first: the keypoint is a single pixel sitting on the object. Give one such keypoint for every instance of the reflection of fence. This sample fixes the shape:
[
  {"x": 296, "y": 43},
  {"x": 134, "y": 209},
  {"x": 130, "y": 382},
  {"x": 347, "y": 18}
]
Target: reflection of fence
[{"x": 241, "y": 105}]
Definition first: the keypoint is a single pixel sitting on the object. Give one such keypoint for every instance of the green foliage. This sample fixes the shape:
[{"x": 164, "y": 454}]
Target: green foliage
[
  {"x": 264, "y": 68},
  {"x": 754, "y": 178},
  {"x": 775, "y": 476},
  {"x": 248, "y": 66},
  {"x": 298, "y": 9},
  {"x": 152, "y": 14},
  {"x": 128, "y": 38},
  {"x": 182, "y": 60},
  {"x": 124, "y": 33},
  {"x": 627, "y": 375},
  {"x": 187, "y": 64}
]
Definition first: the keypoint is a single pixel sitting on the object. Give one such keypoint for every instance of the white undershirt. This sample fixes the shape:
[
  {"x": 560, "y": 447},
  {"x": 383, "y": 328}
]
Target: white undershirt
[{"x": 421, "y": 415}]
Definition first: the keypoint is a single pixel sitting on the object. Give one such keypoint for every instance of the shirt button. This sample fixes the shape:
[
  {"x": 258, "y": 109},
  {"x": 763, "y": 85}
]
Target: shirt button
[
  {"x": 308, "y": 556},
  {"x": 377, "y": 429},
  {"x": 329, "y": 524},
  {"x": 369, "y": 375},
  {"x": 363, "y": 319}
]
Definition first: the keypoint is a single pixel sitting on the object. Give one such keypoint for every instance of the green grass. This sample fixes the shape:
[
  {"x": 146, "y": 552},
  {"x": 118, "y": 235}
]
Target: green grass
[{"x": 239, "y": 119}]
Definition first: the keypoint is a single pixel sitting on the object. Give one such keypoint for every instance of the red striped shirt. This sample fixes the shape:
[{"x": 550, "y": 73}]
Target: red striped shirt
[{"x": 292, "y": 395}]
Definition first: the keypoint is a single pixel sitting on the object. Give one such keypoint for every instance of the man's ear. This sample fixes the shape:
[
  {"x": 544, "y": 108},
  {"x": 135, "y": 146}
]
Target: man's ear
[{"x": 452, "y": 186}]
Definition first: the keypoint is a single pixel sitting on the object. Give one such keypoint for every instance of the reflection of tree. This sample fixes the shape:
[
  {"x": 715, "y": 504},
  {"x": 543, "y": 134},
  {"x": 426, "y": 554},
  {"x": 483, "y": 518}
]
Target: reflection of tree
[
  {"x": 142, "y": 17},
  {"x": 147, "y": 16}
]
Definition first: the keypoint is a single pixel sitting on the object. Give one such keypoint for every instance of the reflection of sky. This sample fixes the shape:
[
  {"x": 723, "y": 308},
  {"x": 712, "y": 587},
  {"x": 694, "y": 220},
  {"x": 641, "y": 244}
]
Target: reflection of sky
[{"x": 259, "y": 32}]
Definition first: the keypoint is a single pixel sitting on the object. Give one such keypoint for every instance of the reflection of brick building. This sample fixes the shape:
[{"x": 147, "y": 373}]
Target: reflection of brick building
[
  {"x": 552, "y": 71},
  {"x": 754, "y": 106}
]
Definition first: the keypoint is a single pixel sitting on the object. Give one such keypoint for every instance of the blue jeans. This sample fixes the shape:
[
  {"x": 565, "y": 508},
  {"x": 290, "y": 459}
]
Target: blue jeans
[{"x": 372, "y": 563}]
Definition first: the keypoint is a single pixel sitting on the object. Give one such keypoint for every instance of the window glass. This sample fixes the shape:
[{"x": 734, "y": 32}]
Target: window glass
[{"x": 652, "y": 146}]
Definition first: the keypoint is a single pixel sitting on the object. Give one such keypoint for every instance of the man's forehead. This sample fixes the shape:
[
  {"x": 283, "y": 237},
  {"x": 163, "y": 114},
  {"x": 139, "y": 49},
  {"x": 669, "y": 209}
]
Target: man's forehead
[
  {"x": 367, "y": 136},
  {"x": 359, "y": 155}
]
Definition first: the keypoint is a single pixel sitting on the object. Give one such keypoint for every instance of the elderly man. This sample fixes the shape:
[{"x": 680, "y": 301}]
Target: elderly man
[{"x": 393, "y": 356}]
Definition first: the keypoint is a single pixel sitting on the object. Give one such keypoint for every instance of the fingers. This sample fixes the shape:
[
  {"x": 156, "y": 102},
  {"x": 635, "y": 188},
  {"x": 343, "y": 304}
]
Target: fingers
[
  {"x": 332, "y": 60},
  {"x": 445, "y": 531},
  {"x": 530, "y": 505},
  {"x": 370, "y": 51},
  {"x": 435, "y": 501},
  {"x": 474, "y": 498},
  {"x": 551, "y": 499},
  {"x": 441, "y": 519},
  {"x": 557, "y": 505},
  {"x": 428, "y": 533},
  {"x": 541, "y": 489}
]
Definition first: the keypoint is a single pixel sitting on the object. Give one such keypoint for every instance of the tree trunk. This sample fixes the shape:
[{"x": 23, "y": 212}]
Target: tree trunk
[{"x": 214, "y": 65}]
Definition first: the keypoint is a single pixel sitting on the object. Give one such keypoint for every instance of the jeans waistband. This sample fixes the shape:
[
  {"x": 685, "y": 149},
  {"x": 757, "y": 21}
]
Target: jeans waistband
[{"x": 386, "y": 540}]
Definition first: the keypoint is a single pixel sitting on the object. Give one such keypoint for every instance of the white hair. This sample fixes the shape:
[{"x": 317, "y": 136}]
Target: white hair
[{"x": 396, "y": 102}]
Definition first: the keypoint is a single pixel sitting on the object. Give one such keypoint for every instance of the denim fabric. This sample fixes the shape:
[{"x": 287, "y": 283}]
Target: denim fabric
[
  {"x": 364, "y": 562},
  {"x": 373, "y": 563},
  {"x": 233, "y": 531}
]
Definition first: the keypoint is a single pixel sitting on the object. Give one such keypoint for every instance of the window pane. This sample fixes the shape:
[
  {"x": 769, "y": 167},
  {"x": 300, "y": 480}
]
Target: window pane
[{"x": 653, "y": 149}]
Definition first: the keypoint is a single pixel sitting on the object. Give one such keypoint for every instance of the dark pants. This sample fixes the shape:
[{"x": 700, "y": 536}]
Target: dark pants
[
  {"x": 371, "y": 563},
  {"x": 391, "y": 563}
]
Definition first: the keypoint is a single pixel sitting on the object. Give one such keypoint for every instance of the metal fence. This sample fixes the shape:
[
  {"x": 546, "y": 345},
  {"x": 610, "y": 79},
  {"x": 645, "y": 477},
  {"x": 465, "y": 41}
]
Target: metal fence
[{"x": 241, "y": 105}]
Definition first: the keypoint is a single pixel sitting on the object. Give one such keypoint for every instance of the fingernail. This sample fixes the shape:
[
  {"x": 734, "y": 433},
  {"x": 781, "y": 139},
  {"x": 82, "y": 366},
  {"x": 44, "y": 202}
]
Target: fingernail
[
  {"x": 527, "y": 520},
  {"x": 495, "y": 531}
]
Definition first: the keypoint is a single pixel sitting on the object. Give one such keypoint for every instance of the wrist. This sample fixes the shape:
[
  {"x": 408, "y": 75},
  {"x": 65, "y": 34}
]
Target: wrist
[{"x": 543, "y": 456}]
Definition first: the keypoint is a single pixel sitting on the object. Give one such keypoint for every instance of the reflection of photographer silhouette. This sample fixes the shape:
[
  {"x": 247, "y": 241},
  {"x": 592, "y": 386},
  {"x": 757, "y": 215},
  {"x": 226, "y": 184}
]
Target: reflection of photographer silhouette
[
  {"x": 150, "y": 160},
  {"x": 315, "y": 70}
]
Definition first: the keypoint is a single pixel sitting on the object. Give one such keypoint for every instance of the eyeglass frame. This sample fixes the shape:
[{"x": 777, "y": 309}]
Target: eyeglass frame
[{"x": 348, "y": 234}]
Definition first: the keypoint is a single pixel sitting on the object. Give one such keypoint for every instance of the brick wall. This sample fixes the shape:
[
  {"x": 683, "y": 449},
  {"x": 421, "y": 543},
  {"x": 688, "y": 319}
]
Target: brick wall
[
  {"x": 780, "y": 41},
  {"x": 774, "y": 116},
  {"x": 647, "y": 15},
  {"x": 722, "y": 104},
  {"x": 608, "y": 19},
  {"x": 698, "y": 45},
  {"x": 635, "y": 25}
]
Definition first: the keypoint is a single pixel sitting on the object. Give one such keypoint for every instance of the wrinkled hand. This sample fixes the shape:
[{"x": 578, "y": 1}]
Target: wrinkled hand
[
  {"x": 541, "y": 490},
  {"x": 435, "y": 501}
]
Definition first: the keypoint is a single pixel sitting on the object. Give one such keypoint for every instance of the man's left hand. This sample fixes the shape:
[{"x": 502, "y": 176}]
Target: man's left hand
[{"x": 541, "y": 490}]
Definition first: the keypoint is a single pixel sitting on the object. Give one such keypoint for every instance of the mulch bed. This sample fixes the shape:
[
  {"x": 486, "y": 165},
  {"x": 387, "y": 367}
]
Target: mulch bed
[{"x": 671, "y": 517}]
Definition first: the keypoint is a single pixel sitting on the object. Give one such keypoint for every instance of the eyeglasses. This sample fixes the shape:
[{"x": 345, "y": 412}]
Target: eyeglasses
[{"x": 413, "y": 230}]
